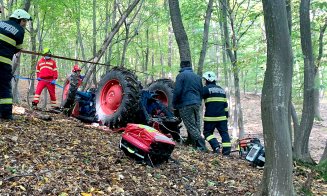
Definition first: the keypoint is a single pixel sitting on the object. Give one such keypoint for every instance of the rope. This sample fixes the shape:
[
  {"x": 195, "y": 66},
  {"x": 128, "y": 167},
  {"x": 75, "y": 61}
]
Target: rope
[
  {"x": 26, "y": 78},
  {"x": 78, "y": 60},
  {"x": 182, "y": 139}
]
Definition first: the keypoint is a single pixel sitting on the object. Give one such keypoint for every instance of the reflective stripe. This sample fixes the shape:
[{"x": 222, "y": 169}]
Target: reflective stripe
[
  {"x": 7, "y": 39},
  {"x": 5, "y": 60},
  {"x": 215, "y": 99},
  {"x": 49, "y": 63},
  {"x": 20, "y": 46},
  {"x": 226, "y": 109},
  {"x": 149, "y": 129},
  {"x": 37, "y": 71},
  {"x": 210, "y": 137},
  {"x": 6, "y": 101},
  {"x": 46, "y": 67},
  {"x": 36, "y": 95},
  {"x": 219, "y": 118},
  {"x": 130, "y": 150},
  {"x": 55, "y": 69},
  {"x": 54, "y": 102},
  {"x": 36, "y": 99},
  {"x": 227, "y": 144}
]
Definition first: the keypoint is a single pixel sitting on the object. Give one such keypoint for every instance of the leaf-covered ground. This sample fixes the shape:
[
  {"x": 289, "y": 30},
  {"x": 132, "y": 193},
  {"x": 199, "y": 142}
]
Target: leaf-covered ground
[{"x": 66, "y": 157}]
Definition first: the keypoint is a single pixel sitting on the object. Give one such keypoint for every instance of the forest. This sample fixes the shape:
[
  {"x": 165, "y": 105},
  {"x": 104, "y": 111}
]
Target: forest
[{"x": 269, "y": 56}]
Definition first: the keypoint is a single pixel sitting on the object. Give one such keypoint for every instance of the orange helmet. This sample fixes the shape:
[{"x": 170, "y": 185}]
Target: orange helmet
[{"x": 76, "y": 68}]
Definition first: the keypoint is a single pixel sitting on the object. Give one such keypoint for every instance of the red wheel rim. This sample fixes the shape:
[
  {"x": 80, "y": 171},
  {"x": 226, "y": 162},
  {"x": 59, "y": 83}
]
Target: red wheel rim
[
  {"x": 111, "y": 97},
  {"x": 162, "y": 97},
  {"x": 65, "y": 91}
]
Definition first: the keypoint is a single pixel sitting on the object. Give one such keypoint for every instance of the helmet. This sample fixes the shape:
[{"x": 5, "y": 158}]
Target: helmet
[
  {"x": 21, "y": 14},
  {"x": 46, "y": 51},
  {"x": 76, "y": 68},
  {"x": 209, "y": 76}
]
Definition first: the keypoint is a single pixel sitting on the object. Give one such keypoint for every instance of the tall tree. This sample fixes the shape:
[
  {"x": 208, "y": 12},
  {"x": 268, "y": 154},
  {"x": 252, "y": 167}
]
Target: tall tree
[
  {"x": 179, "y": 31},
  {"x": 108, "y": 40},
  {"x": 301, "y": 136},
  {"x": 205, "y": 37},
  {"x": 276, "y": 94},
  {"x": 317, "y": 78}
]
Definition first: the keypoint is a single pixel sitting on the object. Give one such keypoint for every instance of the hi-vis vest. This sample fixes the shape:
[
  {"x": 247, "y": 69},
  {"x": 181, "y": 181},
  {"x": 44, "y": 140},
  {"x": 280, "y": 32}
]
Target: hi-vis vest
[
  {"x": 216, "y": 103},
  {"x": 46, "y": 69},
  {"x": 11, "y": 40}
]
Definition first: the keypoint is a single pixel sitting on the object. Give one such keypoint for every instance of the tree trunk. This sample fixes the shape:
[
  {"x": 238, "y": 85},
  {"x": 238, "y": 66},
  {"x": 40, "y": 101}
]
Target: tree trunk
[
  {"x": 205, "y": 37},
  {"x": 170, "y": 45},
  {"x": 179, "y": 31},
  {"x": 301, "y": 137},
  {"x": 15, "y": 91},
  {"x": 233, "y": 58},
  {"x": 317, "y": 78},
  {"x": 2, "y": 10},
  {"x": 108, "y": 39},
  {"x": 122, "y": 63},
  {"x": 276, "y": 93},
  {"x": 80, "y": 38},
  {"x": 113, "y": 20},
  {"x": 324, "y": 155}
]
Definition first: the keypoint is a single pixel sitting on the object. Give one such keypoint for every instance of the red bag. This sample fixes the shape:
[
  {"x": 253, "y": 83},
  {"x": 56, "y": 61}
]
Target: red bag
[{"x": 145, "y": 143}]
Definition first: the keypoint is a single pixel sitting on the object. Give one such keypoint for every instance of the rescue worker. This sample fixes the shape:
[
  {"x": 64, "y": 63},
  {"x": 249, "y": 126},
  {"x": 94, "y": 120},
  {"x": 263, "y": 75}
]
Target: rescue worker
[
  {"x": 187, "y": 99},
  {"x": 47, "y": 74},
  {"x": 11, "y": 40},
  {"x": 76, "y": 73},
  {"x": 216, "y": 114}
]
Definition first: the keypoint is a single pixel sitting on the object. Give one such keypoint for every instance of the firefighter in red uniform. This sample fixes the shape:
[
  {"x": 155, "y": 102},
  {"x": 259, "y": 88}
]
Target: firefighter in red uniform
[
  {"x": 11, "y": 40},
  {"x": 76, "y": 72},
  {"x": 46, "y": 71},
  {"x": 216, "y": 114}
]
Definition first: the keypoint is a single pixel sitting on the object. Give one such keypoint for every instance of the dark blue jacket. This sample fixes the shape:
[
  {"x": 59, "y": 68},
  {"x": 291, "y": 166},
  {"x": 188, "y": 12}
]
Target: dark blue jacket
[
  {"x": 188, "y": 89},
  {"x": 11, "y": 39},
  {"x": 216, "y": 103}
]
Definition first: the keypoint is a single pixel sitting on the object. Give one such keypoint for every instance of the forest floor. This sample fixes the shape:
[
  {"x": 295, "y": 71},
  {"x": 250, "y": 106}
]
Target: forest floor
[{"x": 66, "y": 157}]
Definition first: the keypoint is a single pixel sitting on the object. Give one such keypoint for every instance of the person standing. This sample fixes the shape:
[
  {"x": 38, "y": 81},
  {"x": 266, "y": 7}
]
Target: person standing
[
  {"x": 47, "y": 74},
  {"x": 11, "y": 40},
  {"x": 216, "y": 114},
  {"x": 187, "y": 100}
]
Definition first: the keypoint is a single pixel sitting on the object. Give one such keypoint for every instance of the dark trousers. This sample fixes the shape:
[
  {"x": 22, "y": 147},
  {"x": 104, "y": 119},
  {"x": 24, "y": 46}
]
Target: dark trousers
[
  {"x": 221, "y": 126},
  {"x": 5, "y": 90},
  {"x": 191, "y": 118}
]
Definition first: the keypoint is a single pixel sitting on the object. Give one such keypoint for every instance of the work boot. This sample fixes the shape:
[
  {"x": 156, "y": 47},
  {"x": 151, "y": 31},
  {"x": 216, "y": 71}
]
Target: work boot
[
  {"x": 34, "y": 105},
  {"x": 216, "y": 150},
  {"x": 9, "y": 117},
  {"x": 201, "y": 145}
]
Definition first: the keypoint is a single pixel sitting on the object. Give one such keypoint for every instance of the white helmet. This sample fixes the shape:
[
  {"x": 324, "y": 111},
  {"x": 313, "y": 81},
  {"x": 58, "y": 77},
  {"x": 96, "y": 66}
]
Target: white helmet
[
  {"x": 209, "y": 76},
  {"x": 21, "y": 14}
]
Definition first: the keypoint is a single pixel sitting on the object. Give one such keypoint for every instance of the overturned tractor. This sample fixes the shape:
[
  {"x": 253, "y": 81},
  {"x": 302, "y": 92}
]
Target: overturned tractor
[{"x": 121, "y": 99}]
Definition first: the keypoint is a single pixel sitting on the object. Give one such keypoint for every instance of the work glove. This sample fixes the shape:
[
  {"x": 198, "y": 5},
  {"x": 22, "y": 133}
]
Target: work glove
[
  {"x": 53, "y": 82},
  {"x": 38, "y": 79}
]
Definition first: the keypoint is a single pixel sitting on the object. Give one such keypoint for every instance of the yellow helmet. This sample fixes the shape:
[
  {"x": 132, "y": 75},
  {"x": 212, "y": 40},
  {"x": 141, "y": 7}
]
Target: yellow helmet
[{"x": 46, "y": 51}]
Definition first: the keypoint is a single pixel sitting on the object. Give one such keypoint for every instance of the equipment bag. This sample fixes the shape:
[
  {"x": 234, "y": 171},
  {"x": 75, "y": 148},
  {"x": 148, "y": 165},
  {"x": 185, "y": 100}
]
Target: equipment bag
[{"x": 144, "y": 143}]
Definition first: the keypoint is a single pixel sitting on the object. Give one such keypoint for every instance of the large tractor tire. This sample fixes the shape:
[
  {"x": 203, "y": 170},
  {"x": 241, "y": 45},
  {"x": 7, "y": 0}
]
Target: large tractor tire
[
  {"x": 164, "y": 88},
  {"x": 69, "y": 91},
  {"x": 117, "y": 98}
]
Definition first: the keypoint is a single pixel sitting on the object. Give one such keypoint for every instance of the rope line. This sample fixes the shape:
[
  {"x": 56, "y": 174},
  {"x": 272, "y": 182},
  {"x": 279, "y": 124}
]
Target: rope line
[
  {"x": 78, "y": 60},
  {"x": 26, "y": 78}
]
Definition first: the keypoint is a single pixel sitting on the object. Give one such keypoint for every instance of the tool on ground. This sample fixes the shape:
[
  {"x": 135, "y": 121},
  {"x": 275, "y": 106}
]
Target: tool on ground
[{"x": 144, "y": 143}]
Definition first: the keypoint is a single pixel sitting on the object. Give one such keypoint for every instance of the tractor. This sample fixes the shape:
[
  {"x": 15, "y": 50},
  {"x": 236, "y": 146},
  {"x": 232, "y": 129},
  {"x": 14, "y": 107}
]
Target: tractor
[{"x": 121, "y": 99}]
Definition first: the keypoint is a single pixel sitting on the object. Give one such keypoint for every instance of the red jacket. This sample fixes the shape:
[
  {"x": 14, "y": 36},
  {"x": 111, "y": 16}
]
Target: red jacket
[{"x": 46, "y": 69}]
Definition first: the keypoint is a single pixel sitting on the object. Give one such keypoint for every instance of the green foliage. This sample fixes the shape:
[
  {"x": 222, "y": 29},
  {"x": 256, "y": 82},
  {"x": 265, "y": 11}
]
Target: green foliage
[
  {"x": 56, "y": 25},
  {"x": 322, "y": 169}
]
